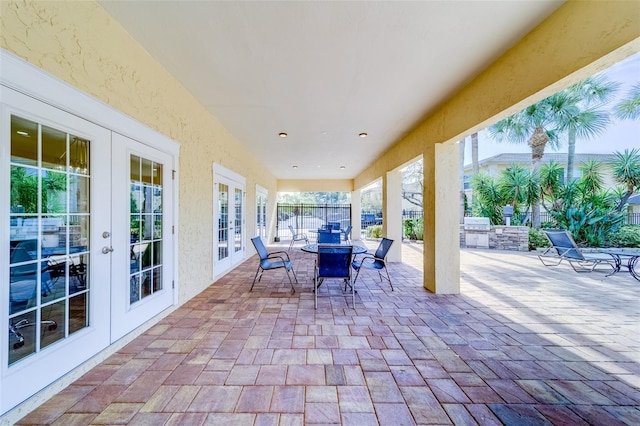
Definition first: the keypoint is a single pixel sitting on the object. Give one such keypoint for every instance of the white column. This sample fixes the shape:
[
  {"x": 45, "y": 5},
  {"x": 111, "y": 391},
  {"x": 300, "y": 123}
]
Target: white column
[
  {"x": 441, "y": 229},
  {"x": 356, "y": 213},
  {"x": 392, "y": 208}
]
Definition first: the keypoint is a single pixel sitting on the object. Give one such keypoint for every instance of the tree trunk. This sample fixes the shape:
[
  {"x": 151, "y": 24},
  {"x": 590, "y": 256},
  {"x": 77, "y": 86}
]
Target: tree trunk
[
  {"x": 537, "y": 143},
  {"x": 461, "y": 171},
  {"x": 571, "y": 152},
  {"x": 474, "y": 153}
]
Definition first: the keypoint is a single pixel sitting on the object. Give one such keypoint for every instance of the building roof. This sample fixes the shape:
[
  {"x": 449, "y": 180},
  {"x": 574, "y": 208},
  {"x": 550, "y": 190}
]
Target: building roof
[{"x": 558, "y": 157}]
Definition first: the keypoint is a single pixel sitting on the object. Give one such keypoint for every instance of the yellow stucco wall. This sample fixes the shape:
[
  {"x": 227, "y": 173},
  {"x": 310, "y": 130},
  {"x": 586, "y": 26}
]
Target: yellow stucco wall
[
  {"x": 580, "y": 39},
  {"x": 314, "y": 185},
  {"x": 79, "y": 43}
]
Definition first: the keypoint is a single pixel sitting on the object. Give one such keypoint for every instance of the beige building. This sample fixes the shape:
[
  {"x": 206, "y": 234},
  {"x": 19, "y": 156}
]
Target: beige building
[{"x": 124, "y": 134}]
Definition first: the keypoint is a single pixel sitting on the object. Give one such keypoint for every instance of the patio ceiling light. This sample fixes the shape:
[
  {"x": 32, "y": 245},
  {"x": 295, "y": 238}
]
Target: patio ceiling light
[
  {"x": 363, "y": 135},
  {"x": 282, "y": 134}
]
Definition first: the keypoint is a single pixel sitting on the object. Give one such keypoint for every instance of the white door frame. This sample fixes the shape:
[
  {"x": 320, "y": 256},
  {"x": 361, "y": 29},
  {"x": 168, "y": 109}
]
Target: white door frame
[
  {"x": 234, "y": 180},
  {"x": 126, "y": 317},
  {"x": 262, "y": 192},
  {"x": 42, "y": 368},
  {"x": 26, "y": 78}
]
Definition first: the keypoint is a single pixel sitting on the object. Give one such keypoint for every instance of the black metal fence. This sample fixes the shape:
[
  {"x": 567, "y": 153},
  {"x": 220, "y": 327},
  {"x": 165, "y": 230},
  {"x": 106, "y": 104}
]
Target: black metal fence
[
  {"x": 629, "y": 219},
  {"x": 309, "y": 217}
]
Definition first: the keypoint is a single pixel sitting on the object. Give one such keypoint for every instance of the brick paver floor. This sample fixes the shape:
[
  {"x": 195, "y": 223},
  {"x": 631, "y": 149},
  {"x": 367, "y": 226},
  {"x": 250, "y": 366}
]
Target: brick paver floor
[{"x": 522, "y": 344}]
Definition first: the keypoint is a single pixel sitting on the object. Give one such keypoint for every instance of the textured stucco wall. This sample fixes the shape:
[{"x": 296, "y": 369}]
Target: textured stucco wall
[
  {"x": 580, "y": 39},
  {"x": 79, "y": 43}
]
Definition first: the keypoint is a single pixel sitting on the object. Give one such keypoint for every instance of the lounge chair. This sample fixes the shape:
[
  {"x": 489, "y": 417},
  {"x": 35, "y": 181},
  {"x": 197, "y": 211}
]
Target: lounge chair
[{"x": 563, "y": 247}]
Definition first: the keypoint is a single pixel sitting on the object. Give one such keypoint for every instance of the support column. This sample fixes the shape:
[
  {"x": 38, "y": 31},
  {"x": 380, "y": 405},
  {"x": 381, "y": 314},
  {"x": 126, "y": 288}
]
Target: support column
[
  {"x": 392, "y": 208},
  {"x": 441, "y": 228},
  {"x": 356, "y": 214}
]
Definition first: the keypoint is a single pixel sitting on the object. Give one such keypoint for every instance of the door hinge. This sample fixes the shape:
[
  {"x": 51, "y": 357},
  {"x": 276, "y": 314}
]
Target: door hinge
[
  {"x": 173, "y": 229},
  {"x": 173, "y": 174},
  {"x": 173, "y": 284}
]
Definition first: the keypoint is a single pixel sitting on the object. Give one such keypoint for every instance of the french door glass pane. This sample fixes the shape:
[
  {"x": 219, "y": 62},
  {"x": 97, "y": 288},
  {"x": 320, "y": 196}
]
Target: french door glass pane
[
  {"x": 237, "y": 223},
  {"x": 49, "y": 236},
  {"x": 145, "y": 221},
  {"x": 223, "y": 221}
]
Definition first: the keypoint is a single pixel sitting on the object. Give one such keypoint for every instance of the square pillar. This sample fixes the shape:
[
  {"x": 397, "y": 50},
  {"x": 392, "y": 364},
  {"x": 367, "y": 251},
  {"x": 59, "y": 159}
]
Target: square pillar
[
  {"x": 392, "y": 211},
  {"x": 356, "y": 214},
  {"x": 441, "y": 222}
]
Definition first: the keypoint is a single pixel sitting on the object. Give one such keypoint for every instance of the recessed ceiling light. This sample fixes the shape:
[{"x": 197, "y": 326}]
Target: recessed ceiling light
[
  {"x": 295, "y": 167},
  {"x": 342, "y": 167},
  {"x": 282, "y": 134},
  {"x": 363, "y": 135}
]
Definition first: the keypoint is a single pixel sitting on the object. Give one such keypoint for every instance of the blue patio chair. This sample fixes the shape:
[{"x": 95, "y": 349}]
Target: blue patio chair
[
  {"x": 333, "y": 262},
  {"x": 273, "y": 260},
  {"x": 23, "y": 285},
  {"x": 297, "y": 237},
  {"x": 328, "y": 237},
  {"x": 375, "y": 261},
  {"x": 335, "y": 226},
  {"x": 563, "y": 247},
  {"x": 346, "y": 233}
]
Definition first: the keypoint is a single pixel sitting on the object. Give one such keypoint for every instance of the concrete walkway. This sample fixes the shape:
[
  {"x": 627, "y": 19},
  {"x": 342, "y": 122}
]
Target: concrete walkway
[{"x": 522, "y": 344}]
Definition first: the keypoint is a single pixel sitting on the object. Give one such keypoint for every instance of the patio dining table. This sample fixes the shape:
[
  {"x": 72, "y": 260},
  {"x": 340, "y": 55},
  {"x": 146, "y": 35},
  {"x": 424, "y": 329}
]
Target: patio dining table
[{"x": 313, "y": 248}]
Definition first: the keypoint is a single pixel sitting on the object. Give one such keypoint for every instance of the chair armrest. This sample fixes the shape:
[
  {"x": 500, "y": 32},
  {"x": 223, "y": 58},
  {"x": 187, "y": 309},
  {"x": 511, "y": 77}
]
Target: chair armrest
[
  {"x": 365, "y": 257},
  {"x": 279, "y": 255}
]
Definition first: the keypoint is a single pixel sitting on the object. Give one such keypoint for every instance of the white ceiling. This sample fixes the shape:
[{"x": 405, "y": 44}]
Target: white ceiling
[{"x": 323, "y": 72}]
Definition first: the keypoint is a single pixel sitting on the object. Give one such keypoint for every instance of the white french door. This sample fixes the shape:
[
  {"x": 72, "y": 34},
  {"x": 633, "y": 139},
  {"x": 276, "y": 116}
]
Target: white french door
[
  {"x": 229, "y": 219},
  {"x": 55, "y": 172},
  {"x": 261, "y": 212},
  {"x": 142, "y": 248},
  {"x": 86, "y": 232}
]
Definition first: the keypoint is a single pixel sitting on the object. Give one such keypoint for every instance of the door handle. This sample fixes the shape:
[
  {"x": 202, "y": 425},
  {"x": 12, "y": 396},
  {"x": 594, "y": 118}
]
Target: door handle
[{"x": 107, "y": 250}]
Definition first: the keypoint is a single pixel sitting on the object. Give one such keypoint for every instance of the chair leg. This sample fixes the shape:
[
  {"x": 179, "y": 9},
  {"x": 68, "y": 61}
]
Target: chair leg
[
  {"x": 254, "y": 279},
  {"x": 293, "y": 290},
  {"x": 291, "y": 244},
  {"x": 357, "y": 273},
  {"x": 388, "y": 277}
]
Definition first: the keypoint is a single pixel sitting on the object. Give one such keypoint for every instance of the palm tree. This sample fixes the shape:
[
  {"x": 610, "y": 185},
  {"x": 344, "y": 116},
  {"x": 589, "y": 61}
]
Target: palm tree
[
  {"x": 626, "y": 170},
  {"x": 629, "y": 108},
  {"x": 583, "y": 116},
  {"x": 513, "y": 185},
  {"x": 538, "y": 126}
]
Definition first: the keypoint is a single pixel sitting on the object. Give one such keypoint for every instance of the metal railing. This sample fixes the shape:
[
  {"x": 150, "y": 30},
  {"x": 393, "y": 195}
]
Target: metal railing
[{"x": 309, "y": 217}]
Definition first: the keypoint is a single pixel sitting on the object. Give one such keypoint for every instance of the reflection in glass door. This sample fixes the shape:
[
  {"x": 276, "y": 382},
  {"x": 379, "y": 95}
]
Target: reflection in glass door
[
  {"x": 229, "y": 220},
  {"x": 54, "y": 280},
  {"x": 223, "y": 221},
  {"x": 142, "y": 247},
  {"x": 145, "y": 228},
  {"x": 49, "y": 216},
  {"x": 261, "y": 212}
]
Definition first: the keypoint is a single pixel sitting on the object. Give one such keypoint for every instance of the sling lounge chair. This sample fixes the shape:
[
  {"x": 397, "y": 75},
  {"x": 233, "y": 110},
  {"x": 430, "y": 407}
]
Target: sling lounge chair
[{"x": 563, "y": 247}]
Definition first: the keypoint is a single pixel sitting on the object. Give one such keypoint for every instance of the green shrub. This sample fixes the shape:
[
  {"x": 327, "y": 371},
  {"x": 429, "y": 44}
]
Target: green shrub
[
  {"x": 537, "y": 239},
  {"x": 374, "y": 231},
  {"x": 626, "y": 236},
  {"x": 413, "y": 228}
]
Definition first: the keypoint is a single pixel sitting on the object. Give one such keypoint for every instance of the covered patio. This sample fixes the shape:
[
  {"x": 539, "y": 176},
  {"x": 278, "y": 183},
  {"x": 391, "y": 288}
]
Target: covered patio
[{"x": 521, "y": 344}]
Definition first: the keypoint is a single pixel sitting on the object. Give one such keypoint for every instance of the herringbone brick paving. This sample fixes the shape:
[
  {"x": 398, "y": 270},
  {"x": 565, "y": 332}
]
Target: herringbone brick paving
[{"x": 522, "y": 344}]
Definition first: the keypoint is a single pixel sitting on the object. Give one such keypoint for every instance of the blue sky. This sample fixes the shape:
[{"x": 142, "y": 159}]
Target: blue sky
[{"x": 620, "y": 135}]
